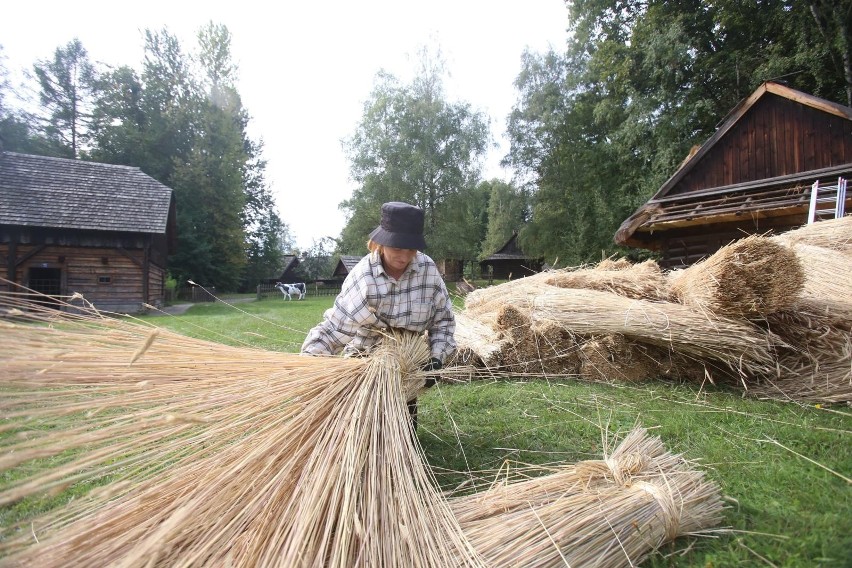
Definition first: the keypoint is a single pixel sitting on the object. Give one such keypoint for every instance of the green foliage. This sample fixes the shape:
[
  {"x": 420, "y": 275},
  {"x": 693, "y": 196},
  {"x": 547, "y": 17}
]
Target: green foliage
[
  {"x": 66, "y": 83},
  {"x": 412, "y": 145},
  {"x": 182, "y": 122},
  {"x": 319, "y": 260},
  {"x": 598, "y": 129},
  {"x": 506, "y": 214}
]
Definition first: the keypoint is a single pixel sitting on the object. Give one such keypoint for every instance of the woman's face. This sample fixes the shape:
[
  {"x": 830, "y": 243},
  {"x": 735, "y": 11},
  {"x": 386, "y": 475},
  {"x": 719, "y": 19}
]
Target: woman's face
[{"x": 396, "y": 260}]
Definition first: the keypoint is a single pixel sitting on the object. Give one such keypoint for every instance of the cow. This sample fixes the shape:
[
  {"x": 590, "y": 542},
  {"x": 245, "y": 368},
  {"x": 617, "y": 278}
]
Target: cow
[{"x": 290, "y": 289}]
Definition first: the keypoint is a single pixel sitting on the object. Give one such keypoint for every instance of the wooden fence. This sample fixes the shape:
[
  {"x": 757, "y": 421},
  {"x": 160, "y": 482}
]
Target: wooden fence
[{"x": 266, "y": 291}]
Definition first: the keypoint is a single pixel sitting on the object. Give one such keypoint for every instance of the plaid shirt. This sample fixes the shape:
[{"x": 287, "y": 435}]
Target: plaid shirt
[{"x": 371, "y": 300}]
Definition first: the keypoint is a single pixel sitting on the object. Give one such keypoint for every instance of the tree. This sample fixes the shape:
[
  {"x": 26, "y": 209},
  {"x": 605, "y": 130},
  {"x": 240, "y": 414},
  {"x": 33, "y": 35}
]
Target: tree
[
  {"x": 66, "y": 83},
  {"x": 120, "y": 120},
  {"x": 319, "y": 260},
  {"x": 597, "y": 129},
  {"x": 507, "y": 214},
  {"x": 412, "y": 145}
]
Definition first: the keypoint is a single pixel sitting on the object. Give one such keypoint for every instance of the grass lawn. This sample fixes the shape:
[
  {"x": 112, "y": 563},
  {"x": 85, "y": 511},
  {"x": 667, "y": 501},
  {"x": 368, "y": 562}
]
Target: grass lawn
[{"x": 785, "y": 469}]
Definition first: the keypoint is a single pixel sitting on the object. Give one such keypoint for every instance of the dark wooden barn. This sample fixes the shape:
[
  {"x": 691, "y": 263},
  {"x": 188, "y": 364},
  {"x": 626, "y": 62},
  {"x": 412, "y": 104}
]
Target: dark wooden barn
[
  {"x": 290, "y": 271},
  {"x": 510, "y": 262},
  {"x": 101, "y": 230},
  {"x": 752, "y": 176},
  {"x": 344, "y": 265}
]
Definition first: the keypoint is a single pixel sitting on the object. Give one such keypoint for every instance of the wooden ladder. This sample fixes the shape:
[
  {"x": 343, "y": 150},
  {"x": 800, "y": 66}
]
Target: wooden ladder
[{"x": 835, "y": 195}]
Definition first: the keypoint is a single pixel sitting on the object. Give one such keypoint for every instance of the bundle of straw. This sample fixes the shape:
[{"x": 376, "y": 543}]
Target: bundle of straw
[
  {"x": 748, "y": 278},
  {"x": 834, "y": 234},
  {"x": 616, "y": 358},
  {"x": 828, "y": 279},
  {"x": 543, "y": 349},
  {"x": 736, "y": 344},
  {"x": 612, "y": 512},
  {"x": 816, "y": 365},
  {"x": 189, "y": 453},
  {"x": 475, "y": 337},
  {"x": 644, "y": 280},
  {"x": 215, "y": 455},
  {"x": 484, "y": 303}
]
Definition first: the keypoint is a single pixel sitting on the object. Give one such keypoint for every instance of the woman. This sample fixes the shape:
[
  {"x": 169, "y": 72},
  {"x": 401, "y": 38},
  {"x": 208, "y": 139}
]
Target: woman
[{"x": 395, "y": 286}]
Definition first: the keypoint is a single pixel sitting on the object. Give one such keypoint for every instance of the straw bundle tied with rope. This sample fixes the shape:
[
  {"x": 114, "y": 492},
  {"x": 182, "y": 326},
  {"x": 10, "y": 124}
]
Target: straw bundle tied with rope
[
  {"x": 594, "y": 513},
  {"x": 199, "y": 454},
  {"x": 748, "y": 278},
  {"x": 218, "y": 455}
]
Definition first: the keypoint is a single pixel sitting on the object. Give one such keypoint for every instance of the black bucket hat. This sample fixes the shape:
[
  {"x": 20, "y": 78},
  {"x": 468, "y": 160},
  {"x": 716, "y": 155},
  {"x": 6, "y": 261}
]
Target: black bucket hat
[{"x": 401, "y": 227}]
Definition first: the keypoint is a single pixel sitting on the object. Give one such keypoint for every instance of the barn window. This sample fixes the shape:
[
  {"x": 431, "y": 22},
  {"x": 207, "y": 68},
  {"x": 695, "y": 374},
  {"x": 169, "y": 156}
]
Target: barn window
[{"x": 104, "y": 279}]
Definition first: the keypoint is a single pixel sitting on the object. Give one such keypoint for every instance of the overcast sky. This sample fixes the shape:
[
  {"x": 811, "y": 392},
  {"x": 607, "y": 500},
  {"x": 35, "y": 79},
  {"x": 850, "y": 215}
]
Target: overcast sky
[{"x": 307, "y": 68}]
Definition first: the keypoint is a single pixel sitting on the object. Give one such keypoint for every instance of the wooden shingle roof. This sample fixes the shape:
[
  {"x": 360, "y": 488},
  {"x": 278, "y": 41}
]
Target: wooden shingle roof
[
  {"x": 345, "y": 264},
  {"x": 509, "y": 251},
  {"x": 40, "y": 191}
]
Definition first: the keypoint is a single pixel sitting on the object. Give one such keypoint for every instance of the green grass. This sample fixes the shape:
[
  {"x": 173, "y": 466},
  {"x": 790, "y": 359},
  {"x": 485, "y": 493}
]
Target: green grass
[{"x": 783, "y": 509}]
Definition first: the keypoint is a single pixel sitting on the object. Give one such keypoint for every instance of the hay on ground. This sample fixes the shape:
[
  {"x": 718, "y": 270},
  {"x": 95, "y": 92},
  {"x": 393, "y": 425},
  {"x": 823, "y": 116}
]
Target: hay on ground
[{"x": 748, "y": 278}]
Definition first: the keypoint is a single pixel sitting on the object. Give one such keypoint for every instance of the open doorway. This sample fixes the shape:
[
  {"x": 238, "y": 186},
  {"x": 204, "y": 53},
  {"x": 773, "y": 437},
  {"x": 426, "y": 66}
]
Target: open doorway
[{"x": 47, "y": 281}]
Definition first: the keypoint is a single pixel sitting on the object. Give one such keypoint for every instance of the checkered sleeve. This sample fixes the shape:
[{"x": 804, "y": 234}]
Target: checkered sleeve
[
  {"x": 351, "y": 312},
  {"x": 443, "y": 325}
]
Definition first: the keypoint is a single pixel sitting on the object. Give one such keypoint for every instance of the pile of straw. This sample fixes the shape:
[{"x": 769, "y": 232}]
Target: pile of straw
[
  {"x": 748, "y": 278},
  {"x": 816, "y": 363},
  {"x": 733, "y": 343},
  {"x": 595, "y": 513},
  {"x": 615, "y": 357},
  {"x": 644, "y": 280},
  {"x": 202, "y": 454},
  {"x": 534, "y": 349},
  {"x": 834, "y": 234},
  {"x": 771, "y": 314}
]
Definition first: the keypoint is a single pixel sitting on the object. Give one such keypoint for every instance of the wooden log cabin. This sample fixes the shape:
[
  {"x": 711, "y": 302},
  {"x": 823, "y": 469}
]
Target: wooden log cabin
[
  {"x": 510, "y": 262},
  {"x": 754, "y": 175},
  {"x": 104, "y": 231}
]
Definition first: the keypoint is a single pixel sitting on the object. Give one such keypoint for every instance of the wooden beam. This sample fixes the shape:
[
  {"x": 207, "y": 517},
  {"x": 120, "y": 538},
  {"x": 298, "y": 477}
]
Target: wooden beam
[{"x": 29, "y": 255}]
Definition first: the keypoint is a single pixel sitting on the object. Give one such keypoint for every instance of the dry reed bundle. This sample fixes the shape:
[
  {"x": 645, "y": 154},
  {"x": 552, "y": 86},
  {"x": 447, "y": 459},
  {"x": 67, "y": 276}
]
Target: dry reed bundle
[
  {"x": 644, "y": 280},
  {"x": 477, "y": 338},
  {"x": 828, "y": 279},
  {"x": 817, "y": 364},
  {"x": 615, "y": 358},
  {"x": 544, "y": 349},
  {"x": 748, "y": 278},
  {"x": 608, "y": 513},
  {"x": 214, "y": 455},
  {"x": 225, "y": 456},
  {"x": 674, "y": 327},
  {"x": 835, "y": 234},
  {"x": 483, "y": 304},
  {"x": 614, "y": 264}
]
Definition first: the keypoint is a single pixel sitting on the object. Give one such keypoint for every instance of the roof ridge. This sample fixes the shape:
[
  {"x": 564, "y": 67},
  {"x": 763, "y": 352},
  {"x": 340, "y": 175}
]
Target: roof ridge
[{"x": 74, "y": 160}]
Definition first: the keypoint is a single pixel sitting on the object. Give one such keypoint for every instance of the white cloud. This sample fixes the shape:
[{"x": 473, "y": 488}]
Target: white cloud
[{"x": 307, "y": 68}]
